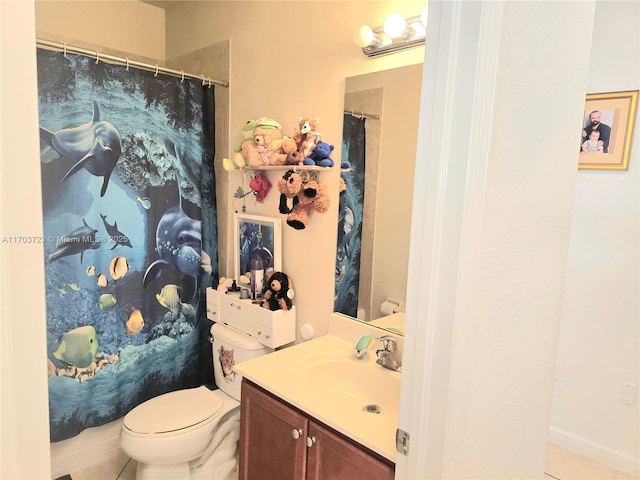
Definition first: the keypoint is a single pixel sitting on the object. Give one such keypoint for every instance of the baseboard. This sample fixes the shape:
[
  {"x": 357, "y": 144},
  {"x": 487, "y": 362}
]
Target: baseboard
[
  {"x": 600, "y": 453},
  {"x": 89, "y": 448}
]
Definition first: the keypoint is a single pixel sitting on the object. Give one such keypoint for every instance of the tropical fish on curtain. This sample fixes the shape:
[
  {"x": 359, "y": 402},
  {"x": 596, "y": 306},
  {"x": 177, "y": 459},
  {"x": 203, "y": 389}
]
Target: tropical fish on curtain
[
  {"x": 129, "y": 219},
  {"x": 350, "y": 213}
]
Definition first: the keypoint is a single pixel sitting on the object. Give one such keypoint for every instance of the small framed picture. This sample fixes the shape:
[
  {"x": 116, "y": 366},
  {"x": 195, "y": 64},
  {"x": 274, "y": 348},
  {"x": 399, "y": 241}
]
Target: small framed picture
[
  {"x": 607, "y": 130},
  {"x": 256, "y": 238}
]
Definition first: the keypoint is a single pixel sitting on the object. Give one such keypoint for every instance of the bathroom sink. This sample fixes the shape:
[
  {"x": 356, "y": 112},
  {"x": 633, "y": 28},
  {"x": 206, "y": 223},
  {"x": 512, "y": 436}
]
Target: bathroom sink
[
  {"x": 323, "y": 378},
  {"x": 357, "y": 383}
]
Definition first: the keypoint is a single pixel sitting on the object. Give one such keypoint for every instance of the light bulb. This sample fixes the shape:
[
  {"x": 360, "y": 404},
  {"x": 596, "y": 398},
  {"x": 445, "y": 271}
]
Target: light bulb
[
  {"x": 364, "y": 36},
  {"x": 424, "y": 15},
  {"x": 394, "y": 25}
]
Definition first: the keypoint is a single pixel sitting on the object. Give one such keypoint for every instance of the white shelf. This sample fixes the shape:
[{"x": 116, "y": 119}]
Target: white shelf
[
  {"x": 282, "y": 168},
  {"x": 272, "y": 328}
]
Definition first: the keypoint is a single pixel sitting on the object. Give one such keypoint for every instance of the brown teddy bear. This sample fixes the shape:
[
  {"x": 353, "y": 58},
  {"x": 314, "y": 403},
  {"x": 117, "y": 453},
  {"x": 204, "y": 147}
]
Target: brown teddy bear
[
  {"x": 286, "y": 151},
  {"x": 311, "y": 197},
  {"x": 258, "y": 153}
]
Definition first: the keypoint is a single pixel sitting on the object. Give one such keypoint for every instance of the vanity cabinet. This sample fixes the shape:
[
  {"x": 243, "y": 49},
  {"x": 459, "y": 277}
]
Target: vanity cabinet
[{"x": 279, "y": 442}]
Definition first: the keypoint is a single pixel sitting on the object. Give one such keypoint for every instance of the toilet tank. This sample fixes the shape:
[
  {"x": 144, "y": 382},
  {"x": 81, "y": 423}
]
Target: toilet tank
[{"x": 231, "y": 347}]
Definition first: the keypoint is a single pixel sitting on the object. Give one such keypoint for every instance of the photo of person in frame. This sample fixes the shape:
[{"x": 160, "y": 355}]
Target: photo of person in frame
[{"x": 593, "y": 123}]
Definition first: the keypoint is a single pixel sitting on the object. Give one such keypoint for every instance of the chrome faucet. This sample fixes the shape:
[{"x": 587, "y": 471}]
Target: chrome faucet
[{"x": 389, "y": 356}]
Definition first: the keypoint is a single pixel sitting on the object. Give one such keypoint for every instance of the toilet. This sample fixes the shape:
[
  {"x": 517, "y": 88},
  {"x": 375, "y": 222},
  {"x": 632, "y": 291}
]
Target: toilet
[{"x": 193, "y": 433}]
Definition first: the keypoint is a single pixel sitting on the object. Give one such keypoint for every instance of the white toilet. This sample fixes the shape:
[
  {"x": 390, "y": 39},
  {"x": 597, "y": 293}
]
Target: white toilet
[{"x": 193, "y": 433}]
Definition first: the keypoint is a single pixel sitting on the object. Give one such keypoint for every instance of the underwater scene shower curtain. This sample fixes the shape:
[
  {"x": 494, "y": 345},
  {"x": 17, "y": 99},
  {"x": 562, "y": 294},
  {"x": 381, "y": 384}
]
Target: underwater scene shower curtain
[
  {"x": 130, "y": 235},
  {"x": 350, "y": 212}
]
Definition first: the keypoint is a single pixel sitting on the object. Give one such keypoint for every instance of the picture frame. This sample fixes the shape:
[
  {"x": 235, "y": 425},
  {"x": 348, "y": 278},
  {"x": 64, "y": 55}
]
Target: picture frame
[
  {"x": 256, "y": 236},
  {"x": 616, "y": 113}
]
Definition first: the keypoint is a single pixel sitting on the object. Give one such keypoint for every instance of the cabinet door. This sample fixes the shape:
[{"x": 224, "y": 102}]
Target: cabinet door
[
  {"x": 331, "y": 456},
  {"x": 268, "y": 447}
]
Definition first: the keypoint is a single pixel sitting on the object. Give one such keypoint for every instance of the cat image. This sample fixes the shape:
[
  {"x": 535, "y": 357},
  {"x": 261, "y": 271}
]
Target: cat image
[{"x": 227, "y": 363}]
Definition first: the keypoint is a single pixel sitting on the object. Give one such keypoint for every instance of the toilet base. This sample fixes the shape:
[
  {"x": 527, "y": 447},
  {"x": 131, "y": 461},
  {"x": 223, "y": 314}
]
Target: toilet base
[{"x": 179, "y": 471}]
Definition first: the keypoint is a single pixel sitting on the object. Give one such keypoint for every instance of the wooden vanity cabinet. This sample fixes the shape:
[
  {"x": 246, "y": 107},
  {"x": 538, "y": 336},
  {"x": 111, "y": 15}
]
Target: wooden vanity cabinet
[{"x": 279, "y": 442}]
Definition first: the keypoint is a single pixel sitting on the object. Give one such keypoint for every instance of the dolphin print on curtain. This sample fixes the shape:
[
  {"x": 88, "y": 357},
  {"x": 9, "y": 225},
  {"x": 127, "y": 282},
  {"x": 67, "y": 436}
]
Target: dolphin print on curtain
[
  {"x": 350, "y": 212},
  {"x": 130, "y": 235}
]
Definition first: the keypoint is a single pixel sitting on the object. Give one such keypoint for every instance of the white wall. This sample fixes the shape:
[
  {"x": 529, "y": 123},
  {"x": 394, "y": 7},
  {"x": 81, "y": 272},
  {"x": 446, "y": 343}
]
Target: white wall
[
  {"x": 24, "y": 412},
  {"x": 119, "y": 26},
  {"x": 490, "y": 234},
  {"x": 599, "y": 337}
]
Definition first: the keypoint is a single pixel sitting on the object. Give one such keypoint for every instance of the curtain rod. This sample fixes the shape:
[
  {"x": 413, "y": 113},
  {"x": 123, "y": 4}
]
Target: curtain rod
[
  {"x": 362, "y": 114},
  {"x": 125, "y": 61}
]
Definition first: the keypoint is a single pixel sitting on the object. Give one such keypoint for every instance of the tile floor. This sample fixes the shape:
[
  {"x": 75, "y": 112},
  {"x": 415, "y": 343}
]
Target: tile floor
[{"x": 561, "y": 464}]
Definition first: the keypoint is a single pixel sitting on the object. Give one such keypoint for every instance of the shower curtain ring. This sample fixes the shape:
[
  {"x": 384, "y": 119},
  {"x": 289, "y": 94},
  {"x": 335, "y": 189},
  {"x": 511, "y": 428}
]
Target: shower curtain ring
[
  {"x": 202, "y": 80},
  {"x": 127, "y": 64},
  {"x": 156, "y": 74},
  {"x": 182, "y": 72},
  {"x": 64, "y": 50},
  {"x": 97, "y": 57}
]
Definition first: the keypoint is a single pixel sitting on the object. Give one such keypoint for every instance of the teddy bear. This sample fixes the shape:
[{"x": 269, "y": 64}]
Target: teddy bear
[
  {"x": 260, "y": 186},
  {"x": 311, "y": 197},
  {"x": 289, "y": 185},
  {"x": 320, "y": 155},
  {"x": 289, "y": 147},
  {"x": 258, "y": 153},
  {"x": 278, "y": 293},
  {"x": 307, "y": 136}
]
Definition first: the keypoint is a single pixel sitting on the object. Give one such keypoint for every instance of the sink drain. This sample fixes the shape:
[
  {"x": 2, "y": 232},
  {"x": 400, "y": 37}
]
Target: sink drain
[{"x": 372, "y": 408}]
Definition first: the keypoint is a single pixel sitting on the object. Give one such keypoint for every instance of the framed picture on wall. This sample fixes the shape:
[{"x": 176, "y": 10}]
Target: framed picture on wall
[
  {"x": 256, "y": 238},
  {"x": 607, "y": 130}
]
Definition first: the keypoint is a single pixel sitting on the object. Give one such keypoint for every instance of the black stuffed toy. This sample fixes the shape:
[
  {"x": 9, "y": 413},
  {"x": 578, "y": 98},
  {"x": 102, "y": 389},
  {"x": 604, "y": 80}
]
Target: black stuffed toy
[{"x": 278, "y": 293}]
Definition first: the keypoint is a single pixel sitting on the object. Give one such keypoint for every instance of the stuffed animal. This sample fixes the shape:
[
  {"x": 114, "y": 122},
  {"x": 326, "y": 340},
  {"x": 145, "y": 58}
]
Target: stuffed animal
[
  {"x": 312, "y": 197},
  {"x": 238, "y": 160},
  {"x": 260, "y": 186},
  {"x": 307, "y": 143},
  {"x": 289, "y": 185},
  {"x": 307, "y": 136},
  {"x": 254, "y": 150},
  {"x": 320, "y": 155},
  {"x": 278, "y": 293},
  {"x": 258, "y": 153},
  {"x": 225, "y": 284},
  {"x": 288, "y": 147},
  {"x": 247, "y": 134}
]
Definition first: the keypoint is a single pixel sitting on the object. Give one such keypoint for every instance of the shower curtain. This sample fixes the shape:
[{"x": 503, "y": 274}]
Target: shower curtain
[
  {"x": 130, "y": 235},
  {"x": 350, "y": 211}
]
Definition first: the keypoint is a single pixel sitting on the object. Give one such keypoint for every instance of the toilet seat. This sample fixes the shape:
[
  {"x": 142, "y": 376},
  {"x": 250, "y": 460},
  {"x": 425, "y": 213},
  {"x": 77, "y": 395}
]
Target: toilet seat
[{"x": 174, "y": 412}]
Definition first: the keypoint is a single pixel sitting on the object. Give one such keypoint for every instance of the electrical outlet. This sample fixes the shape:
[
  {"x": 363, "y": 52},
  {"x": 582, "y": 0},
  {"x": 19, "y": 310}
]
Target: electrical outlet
[{"x": 628, "y": 393}]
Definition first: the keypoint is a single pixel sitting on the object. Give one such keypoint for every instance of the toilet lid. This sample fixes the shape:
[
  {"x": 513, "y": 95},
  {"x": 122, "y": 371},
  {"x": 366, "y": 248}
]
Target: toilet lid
[{"x": 174, "y": 411}]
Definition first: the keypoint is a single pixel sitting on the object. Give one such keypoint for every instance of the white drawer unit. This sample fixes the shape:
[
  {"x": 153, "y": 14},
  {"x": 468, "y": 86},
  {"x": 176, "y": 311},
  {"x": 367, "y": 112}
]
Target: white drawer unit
[{"x": 271, "y": 328}]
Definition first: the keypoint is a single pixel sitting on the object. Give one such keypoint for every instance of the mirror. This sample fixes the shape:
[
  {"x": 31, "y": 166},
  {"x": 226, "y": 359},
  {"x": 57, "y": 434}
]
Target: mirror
[{"x": 375, "y": 206}]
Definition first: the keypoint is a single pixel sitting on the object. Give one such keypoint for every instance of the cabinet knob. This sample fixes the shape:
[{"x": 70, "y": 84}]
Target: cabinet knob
[
  {"x": 310, "y": 441},
  {"x": 296, "y": 433}
]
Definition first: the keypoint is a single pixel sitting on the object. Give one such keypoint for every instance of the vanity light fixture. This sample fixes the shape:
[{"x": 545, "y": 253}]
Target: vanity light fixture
[{"x": 396, "y": 33}]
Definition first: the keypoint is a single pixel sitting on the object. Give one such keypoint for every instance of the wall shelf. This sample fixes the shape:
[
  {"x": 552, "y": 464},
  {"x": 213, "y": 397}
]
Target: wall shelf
[{"x": 283, "y": 168}]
